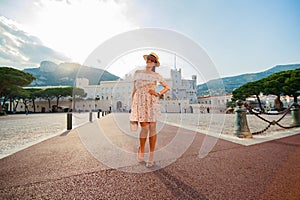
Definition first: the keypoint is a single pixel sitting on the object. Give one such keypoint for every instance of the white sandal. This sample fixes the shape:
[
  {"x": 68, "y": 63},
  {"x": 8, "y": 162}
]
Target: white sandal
[
  {"x": 150, "y": 161},
  {"x": 140, "y": 155}
]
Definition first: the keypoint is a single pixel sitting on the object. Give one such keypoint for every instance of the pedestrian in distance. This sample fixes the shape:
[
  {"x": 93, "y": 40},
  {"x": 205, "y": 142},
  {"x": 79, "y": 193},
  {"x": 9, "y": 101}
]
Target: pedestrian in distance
[{"x": 26, "y": 108}]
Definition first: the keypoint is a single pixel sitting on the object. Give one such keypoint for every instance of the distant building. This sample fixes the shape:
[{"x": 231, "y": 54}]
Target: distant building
[
  {"x": 268, "y": 101},
  {"x": 214, "y": 102},
  {"x": 182, "y": 88},
  {"x": 116, "y": 95}
]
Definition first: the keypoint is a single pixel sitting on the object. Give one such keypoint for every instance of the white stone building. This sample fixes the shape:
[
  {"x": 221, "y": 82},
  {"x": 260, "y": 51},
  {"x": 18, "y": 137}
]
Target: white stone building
[
  {"x": 268, "y": 101},
  {"x": 182, "y": 88},
  {"x": 116, "y": 95},
  {"x": 216, "y": 103}
]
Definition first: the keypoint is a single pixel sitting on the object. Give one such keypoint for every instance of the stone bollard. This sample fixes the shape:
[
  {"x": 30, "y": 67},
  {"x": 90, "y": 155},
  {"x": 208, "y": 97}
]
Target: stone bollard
[
  {"x": 295, "y": 112},
  {"x": 98, "y": 114},
  {"x": 91, "y": 116},
  {"x": 69, "y": 121},
  {"x": 241, "y": 125}
]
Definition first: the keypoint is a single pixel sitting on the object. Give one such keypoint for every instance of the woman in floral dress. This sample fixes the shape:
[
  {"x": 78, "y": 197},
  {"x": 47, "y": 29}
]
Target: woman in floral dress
[{"x": 145, "y": 108}]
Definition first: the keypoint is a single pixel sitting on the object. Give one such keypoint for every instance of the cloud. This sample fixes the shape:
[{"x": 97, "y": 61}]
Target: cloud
[
  {"x": 21, "y": 50},
  {"x": 74, "y": 27}
]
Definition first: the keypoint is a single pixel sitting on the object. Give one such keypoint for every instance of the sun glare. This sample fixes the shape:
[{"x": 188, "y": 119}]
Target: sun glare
[{"x": 77, "y": 28}]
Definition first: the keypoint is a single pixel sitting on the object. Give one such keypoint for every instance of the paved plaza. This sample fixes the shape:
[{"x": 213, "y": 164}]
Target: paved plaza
[
  {"x": 85, "y": 163},
  {"x": 20, "y": 131}
]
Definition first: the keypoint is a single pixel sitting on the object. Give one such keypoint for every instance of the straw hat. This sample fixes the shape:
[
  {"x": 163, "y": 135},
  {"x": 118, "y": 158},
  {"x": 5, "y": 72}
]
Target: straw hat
[{"x": 155, "y": 56}]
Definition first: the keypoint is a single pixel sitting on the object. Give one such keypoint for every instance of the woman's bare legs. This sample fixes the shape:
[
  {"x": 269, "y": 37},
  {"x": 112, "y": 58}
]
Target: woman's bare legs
[
  {"x": 152, "y": 136},
  {"x": 143, "y": 138},
  {"x": 152, "y": 142},
  {"x": 147, "y": 127}
]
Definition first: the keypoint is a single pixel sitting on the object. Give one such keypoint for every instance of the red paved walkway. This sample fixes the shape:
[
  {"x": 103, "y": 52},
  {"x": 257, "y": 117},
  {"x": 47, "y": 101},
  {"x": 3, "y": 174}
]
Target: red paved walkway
[{"x": 61, "y": 168}]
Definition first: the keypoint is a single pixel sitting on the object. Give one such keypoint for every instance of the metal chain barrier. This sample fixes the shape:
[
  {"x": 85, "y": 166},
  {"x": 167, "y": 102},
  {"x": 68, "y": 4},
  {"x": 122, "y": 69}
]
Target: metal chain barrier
[
  {"x": 274, "y": 122},
  {"x": 278, "y": 113}
]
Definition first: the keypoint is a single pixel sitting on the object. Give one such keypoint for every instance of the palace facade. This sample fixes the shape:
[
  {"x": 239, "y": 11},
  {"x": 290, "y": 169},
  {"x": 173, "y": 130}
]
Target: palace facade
[{"x": 116, "y": 95}]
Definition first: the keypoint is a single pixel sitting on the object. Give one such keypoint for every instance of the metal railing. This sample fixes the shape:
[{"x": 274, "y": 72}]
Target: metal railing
[{"x": 241, "y": 124}]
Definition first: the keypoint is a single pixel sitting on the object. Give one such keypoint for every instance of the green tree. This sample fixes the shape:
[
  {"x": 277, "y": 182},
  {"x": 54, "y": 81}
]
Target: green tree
[
  {"x": 14, "y": 94},
  {"x": 47, "y": 94},
  {"x": 285, "y": 82},
  {"x": 12, "y": 78},
  {"x": 292, "y": 84},
  {"x": 58, "y": 93},
  {"x": 251, "y": 88},
  {"x": 230, "y": 104},
  {"x": 79, "y": 92},
  {"x": 34, "y": 93},
  {"x": 274, "y": 84}
]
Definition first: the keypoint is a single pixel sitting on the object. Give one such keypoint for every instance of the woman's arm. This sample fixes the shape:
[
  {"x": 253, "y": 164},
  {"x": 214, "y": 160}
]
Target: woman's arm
[
  {"x": 133, "y": 91},
  {"x": 163, "y": 91},
  {"x": 166, "y": 88}
]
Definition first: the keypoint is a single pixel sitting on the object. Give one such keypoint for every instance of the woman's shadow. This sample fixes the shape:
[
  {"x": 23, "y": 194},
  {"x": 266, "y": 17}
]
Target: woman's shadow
[{"x": 178, "y": 188}]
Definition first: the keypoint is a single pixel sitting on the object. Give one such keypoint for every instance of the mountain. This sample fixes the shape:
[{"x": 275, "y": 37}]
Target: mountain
[
  {"x": 231, "y": 83},
  {"x": 24, "y": 51},
  {"x": 21, "y": 50},
  {"x": 65, "y": 74}
]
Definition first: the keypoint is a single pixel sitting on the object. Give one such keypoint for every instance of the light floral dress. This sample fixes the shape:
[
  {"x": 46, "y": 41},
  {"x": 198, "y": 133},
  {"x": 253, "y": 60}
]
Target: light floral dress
[{"x": 145, "y": 107}]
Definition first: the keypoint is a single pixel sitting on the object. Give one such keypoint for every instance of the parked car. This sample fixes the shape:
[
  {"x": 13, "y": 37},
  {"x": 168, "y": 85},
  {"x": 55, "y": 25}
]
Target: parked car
[
  {"x": 256, "y": 110},
  {"x": 272, "y": 111},
  {"x": 62, "y": 109}
]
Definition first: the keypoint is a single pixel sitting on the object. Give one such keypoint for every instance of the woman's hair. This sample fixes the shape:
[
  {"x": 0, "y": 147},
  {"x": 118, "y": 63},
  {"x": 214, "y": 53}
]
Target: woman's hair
[{"x": 153, "y": 68}]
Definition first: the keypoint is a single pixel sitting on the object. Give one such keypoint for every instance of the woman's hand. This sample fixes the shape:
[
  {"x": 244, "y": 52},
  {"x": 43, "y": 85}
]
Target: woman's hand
[{"x": 152, "y": 92}]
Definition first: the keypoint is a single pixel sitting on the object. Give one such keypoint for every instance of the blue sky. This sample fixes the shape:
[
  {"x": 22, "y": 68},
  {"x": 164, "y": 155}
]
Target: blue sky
[{"x": 240, "y": 36}]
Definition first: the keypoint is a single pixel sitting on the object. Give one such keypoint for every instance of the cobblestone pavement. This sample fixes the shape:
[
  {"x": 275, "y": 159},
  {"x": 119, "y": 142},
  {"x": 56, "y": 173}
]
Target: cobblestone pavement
[
  {"x": 64, "y": 168},
  {"x": 20, "y": 131}
]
